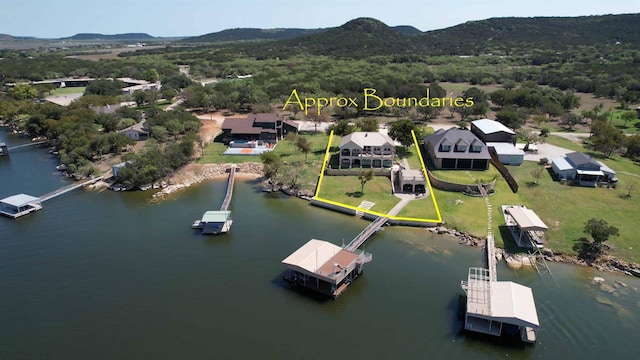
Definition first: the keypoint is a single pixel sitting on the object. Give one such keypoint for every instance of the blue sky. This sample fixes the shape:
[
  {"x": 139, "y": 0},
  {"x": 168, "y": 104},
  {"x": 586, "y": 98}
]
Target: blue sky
[{"x": 61, "y": 18}]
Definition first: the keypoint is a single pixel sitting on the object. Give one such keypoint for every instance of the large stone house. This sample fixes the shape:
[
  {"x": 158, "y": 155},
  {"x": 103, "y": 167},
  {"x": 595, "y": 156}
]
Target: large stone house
[
  {"x": 366, "y": 150},
  {"x": 457, "y": 149}
]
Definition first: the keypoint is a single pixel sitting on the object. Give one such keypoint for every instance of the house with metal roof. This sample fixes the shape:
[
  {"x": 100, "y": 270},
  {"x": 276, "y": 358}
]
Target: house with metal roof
[
  {"x": 582, "y": 169},
  {"x": 19, "y": 205},
  {"x": 366, "y": 150},
  {"x": 136, "y": 132},
  {"x": 324, "y": 267},
  {"x": 268, "y": 127},
  {"x": 457, "y": 149},
  {"x": 489, "y": 130}
]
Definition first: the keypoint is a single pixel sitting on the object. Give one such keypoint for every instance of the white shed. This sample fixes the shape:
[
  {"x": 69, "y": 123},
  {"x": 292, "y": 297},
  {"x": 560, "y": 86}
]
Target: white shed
[
  {"x": 507, "y": 153},
  {"x": 562, "y": 168}
]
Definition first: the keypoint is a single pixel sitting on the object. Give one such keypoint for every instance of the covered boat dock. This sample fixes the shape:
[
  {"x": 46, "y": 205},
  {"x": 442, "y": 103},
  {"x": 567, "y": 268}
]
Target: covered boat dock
[
  {"x": 499, "y": 307},
  {"x": 525, "y": 226},
  {"x": 324, "y": 267},
  {"x": 19, "y": 205},
  {"x": 214, "y": 222}
]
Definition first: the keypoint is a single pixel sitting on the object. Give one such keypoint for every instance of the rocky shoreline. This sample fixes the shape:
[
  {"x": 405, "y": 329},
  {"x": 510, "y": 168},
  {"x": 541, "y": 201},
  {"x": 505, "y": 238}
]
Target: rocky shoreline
[
  {"x": 604, "y": 263},
  {"x": 207, "y": 172}
]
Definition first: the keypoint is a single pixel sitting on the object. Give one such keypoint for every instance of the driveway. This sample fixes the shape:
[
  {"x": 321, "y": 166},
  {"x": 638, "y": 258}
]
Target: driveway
[{"x": 546, "y": 151}]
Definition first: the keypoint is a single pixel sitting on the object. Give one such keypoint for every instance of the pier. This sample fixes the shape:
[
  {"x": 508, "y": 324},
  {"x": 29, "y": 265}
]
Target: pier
[
  {"x": 218, "y": 222},
  {"x": 498, "y": 307},
  {"x": 22, "y": 204},
  {"x": 26, "y": 145},
  {"x": 366, "y": 233}
]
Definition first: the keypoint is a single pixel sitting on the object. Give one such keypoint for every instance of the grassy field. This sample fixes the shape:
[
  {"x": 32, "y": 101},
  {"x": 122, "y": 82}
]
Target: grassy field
[
  {"x": 346, "y": 190},
  {"x": 68, "y": 90},
  {"x": 467, "y": 176},
  {"x": 565, "y": 209}
]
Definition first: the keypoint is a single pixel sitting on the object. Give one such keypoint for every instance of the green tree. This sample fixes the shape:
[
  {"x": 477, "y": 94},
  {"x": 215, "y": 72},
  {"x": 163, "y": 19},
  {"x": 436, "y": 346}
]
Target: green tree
[
  {"x": 606, "y": 138},
  {"x": 317, "y": 118},
  {"x": 401, "y": 131},
  {"x": 368, "y": 124},
  {"x": 537, "y": 174},
  {"x": 632, "y": 143},
  {"x": 22, "y": 92},
  {"x": 304, "y": 145},
  {"x": 341, "y": 128},
  {"x": 151, "y": 75},
  {"x": 600, "y": 232},
  {"x": 629, "y": 115},
  {"x": 365, "y": 176},
  {"x": 272, "y": 164},
  {"x": 570, "y": 120}
]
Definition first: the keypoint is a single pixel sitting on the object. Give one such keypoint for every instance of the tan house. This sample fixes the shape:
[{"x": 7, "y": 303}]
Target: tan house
[{"x": 366, "y": 150}]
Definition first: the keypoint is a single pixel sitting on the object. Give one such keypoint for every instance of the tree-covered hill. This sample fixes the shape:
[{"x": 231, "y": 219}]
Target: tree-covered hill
[
  {"x": 250, "y": 34},
  {"x": 357, "y": 38},
  {"x": 406, "y": 29},
  {"x": 115, "y": 37},
  {"x": 519, "y": 34}
]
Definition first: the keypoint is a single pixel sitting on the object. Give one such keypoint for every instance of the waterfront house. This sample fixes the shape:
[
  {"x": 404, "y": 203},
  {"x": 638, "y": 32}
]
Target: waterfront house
[
  {"x": 268, "y": 127},
  {"x": 457, "y": 149},
  {"x": 366, "y": 150},
  {"x": 489, "y": 130},
  {"x": 582, "y": 169}
]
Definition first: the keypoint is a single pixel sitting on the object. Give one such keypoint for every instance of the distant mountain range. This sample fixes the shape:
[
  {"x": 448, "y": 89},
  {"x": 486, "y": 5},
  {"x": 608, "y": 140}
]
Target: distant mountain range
[
  {"x": 115, "y": 37},
  {"x": 364, "y": 37}
]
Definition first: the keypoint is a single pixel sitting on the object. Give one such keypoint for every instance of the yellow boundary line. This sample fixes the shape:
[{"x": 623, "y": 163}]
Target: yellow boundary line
[{"x": 424, "y": 171}]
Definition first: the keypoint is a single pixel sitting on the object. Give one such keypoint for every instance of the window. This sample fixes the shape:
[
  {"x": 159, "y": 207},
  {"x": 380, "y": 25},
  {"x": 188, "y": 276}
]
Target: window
[
  {"x": 444, "y": 147},
  {"x": 476, "y": 148},
  {"x": 461, "y": 147}
]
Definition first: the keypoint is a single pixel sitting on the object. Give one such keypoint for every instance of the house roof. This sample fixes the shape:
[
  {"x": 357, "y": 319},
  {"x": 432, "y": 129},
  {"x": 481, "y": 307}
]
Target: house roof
[
  {"x": 264, "y": 117},
  {"x": 312, "y": 255},
  {"x": 513, "y": 304},
  {"x": 488, "y": 126},
  {"x": 19, "y": 200},
  {"x": 237, "y": 126},
  {"x": 362, "y": 139},
  {"x": 505, "y": 148},
  {"x": 322, "y": 259},
  {"x": 578, "y": 160},
  {"x": 139, "y": 127},
  {"x": 526, "y": 219},
  {"x": 561, "y": 164},
  {"x": 605, "y": 168},
  {"x": 292, "y": 124},
  {"x": 456, "y": 136}
]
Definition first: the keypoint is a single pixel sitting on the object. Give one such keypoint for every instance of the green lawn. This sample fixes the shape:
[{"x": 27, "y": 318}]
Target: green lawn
[
  {"x": 563, "y": 208},
  {"x": 420, "y": 209},
  {"x": 412, "y": 156},
  {"x": 467, "y": 176},
  {"x": 68, "y": 90},
  {"x": 346, "y": 190}
]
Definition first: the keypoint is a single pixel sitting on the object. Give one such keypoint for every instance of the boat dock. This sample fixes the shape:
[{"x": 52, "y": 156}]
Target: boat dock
[
  {"x": 22, "y": 204},
  {"x": 218, "y": 222},
  {"x": 327, "y": 268},
  {"x": 498, "y": 307}
]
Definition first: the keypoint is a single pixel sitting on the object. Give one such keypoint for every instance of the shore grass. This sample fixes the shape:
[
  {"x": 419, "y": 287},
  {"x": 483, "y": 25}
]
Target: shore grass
[
  {"x": 419, "y": 209},
  {"x": 346, "y": 190}
]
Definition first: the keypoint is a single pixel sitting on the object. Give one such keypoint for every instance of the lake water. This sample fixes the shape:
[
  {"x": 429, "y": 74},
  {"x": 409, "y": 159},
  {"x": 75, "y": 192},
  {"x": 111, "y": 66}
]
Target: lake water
[{"x": 105, "y": 275}]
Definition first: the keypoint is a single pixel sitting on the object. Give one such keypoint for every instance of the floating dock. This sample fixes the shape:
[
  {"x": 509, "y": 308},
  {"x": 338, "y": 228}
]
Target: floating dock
[
  {"x": 19, "y": 205},
  {"x": 22, "y": 204},
  {"x": 218, "y": 222}
]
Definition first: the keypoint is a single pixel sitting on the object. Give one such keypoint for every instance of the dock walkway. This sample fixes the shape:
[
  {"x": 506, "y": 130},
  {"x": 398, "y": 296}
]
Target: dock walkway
[
  {"x": 366, "y": 233},
  {"x": 229, "y": 193},
  {"x": 68, "y": 188}
]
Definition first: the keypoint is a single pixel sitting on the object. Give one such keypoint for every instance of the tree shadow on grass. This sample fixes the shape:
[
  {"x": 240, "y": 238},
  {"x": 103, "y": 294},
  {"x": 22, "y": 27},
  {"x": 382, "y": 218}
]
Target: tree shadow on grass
[
  {"x": 355, "y": 194},
  {"x": 585, "y": 249},
  {"x": 531, "y": 184}
]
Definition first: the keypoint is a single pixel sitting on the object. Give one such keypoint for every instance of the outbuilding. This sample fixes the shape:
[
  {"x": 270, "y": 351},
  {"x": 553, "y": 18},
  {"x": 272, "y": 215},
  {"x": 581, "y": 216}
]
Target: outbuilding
[{"x": 507, "y": 153}]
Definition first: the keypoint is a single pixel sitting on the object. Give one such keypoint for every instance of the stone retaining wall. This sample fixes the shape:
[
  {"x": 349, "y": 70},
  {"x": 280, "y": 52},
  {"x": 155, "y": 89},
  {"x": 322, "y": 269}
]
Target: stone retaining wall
[{"x": 451, "y": 186}]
